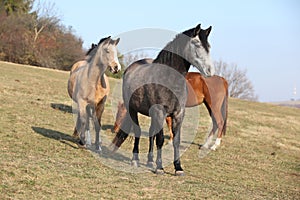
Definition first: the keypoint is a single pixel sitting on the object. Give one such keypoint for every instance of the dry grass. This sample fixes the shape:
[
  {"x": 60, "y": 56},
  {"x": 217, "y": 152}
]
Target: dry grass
[{"x": 258, "y": 159}]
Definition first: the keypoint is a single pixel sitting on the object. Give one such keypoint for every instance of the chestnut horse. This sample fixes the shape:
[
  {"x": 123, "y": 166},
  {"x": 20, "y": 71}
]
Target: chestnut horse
[
  {"x": 88, "y": 86},
  {"x": 212, "y": 91}
]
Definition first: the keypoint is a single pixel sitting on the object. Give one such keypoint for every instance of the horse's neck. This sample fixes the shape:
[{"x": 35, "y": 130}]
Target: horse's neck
[
  {"x": 173, "y": 60},
  {"x": 96, "y": 70},
  {"x": 173, "y": 55}
]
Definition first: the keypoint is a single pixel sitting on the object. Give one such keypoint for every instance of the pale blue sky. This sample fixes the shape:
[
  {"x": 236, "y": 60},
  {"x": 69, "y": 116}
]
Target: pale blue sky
[{"x": 260, "y": 36}]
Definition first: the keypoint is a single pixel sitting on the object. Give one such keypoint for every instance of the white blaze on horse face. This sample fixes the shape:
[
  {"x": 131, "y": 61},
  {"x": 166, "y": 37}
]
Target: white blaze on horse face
[{"x": 200, "y": 58}]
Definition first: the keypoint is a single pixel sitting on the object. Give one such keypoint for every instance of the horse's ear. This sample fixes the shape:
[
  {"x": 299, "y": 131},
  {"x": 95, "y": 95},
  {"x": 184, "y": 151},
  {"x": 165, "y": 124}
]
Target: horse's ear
[
  {"x": 117, "y": 41},
  {"x": 207, "y": 31},
  {"x": 197, "y": 30}
]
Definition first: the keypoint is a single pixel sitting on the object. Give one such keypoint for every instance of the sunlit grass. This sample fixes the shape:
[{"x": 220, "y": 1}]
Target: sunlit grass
[{"x": 258, "y": 159}]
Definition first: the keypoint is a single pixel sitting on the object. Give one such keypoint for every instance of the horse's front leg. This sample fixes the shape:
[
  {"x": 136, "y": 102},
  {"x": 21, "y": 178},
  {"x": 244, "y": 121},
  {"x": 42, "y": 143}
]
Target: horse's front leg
[
  {"x": 97, "y": 123},
  {"x": 82, "y": 124},
  {"x": 176, "y": 128}
]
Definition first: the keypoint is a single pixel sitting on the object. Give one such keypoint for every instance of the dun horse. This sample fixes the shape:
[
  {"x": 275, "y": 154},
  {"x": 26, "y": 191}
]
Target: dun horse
[
  {"x": 159, "y": 90},
  {"x": 212, "y": 91},
  {"x": 88, "y": 86}
]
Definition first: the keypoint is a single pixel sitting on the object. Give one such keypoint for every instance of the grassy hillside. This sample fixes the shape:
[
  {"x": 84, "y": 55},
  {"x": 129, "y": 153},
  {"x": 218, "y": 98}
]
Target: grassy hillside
[{"x": 258, "y": 159}]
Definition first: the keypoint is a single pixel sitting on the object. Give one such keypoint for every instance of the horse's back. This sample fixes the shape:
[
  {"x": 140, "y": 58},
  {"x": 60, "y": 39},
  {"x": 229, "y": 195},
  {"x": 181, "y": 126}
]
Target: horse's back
[
  {"x": 137, "y": 63},
  {"x": 153, "y": 84},
  {"x": 216, "y": 84},
  {"x": 78, "y": 64}
]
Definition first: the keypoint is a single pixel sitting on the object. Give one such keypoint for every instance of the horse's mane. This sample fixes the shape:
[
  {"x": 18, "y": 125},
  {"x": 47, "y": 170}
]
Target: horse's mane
[
  {"x": 171, "y": 54},
  {"x": 91, "y": 52},
  {"x": 103, "y": 39},
  {"x": 93, "y": 46}
]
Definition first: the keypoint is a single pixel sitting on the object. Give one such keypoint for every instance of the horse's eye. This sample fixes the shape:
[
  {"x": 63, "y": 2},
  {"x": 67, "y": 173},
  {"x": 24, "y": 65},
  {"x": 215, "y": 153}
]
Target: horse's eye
[
  {"x": 107, "y": 50},
  {"x": 197, "y": 44}
]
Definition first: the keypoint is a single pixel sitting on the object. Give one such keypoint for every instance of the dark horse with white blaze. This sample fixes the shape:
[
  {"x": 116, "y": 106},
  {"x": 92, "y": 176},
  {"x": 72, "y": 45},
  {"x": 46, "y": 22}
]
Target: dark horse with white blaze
[{"x": 159, "y": 90}]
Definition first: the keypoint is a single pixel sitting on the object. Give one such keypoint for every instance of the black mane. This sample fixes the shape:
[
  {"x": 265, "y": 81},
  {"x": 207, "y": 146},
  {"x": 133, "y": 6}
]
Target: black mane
[
  {"x": 171, "y": 54},
  {"x": 103, "y": 39},
  {"x": 203, "y": 34},
  {"x": 93, "y": 46}
]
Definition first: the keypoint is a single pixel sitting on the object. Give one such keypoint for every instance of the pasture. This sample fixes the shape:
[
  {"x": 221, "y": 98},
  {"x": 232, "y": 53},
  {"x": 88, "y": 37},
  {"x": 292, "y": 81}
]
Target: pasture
[{"x": 259, "y": 157}]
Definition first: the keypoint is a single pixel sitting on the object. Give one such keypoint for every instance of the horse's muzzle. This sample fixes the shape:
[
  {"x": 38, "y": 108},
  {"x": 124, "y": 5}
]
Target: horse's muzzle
[{"x": 115, "y": 68}]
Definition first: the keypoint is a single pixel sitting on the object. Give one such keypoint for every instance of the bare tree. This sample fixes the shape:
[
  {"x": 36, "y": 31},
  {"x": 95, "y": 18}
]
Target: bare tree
[
  {"x": 133, "y": 56},
  {"x": 44, "y": 15},
  {"x": 239, "y": 85}
]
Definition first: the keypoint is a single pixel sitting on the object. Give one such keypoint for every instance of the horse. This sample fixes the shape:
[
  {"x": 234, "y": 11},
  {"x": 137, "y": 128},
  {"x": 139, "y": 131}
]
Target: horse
[
  {"x": 100, "y": 90},
  {"x": 88, "y": 86},
  {"x": 212, "y": 91},
  {"x": 158, "y": 90},
  {"x": 78, "y": 64}
]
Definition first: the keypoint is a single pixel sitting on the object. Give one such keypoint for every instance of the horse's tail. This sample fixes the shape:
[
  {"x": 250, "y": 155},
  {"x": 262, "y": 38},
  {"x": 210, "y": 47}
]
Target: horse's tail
[
  {"x": 224, "y": 108},
  {"x": 118, "y": 140}
]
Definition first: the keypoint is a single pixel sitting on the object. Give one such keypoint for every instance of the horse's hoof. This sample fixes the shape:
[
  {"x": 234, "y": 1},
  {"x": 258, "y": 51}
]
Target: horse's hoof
[
  {"x": 88, "y": 143},
  {"x": 81, "y": 146},
  {"x": 159, "y": 171},
  {"x": 150, "y": 165},
  {"x": 76, "y": 136},
  {"x": 204, "y": 151},
  {"x": 98, "y": 149},
  {"x": 179, "y": 173},
  {"x": 135, "y": 163},
  {"x": 214, "y": 147}
]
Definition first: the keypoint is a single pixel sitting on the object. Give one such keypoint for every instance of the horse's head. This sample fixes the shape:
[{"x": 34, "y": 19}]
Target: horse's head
[
  {"x": 110, "y": 54},
  {"x": 198, "y": 49},
  {"x": 119, "y": 117}
]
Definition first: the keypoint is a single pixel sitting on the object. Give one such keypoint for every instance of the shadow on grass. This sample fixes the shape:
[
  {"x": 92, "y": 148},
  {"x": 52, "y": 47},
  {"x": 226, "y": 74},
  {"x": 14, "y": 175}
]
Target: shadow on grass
[
  {"x": 56, "y": 135},
  {"x": 61, "y": 107},
  {"x": 66, "y": 139},
  {"x": 107, "y": 127},
  {"x": 192, "y": 143}
]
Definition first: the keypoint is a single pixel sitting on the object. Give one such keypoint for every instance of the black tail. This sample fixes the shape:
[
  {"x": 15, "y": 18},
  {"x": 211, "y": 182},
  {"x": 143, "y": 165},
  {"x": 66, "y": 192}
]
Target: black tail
[{"x": 118, "y": 140}]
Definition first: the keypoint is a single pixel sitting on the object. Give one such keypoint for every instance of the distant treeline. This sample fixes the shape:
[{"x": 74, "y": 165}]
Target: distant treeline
[{"x": 36, "y": 37}]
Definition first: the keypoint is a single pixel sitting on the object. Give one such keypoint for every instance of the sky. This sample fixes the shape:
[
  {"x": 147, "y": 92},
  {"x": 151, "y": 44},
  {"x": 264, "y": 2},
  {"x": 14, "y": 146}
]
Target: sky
[{"x": 262, "y": 37}]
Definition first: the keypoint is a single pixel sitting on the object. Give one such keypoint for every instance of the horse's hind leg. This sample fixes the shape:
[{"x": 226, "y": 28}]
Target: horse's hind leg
[
  {"x": 137, "y": 135},
  {"x": 219, "y": 135},
  {"x": 209, "y": 140},
  {"x": 157, "y": 114},
  {"x": 176, "y": 128},
  {"x": 155, "y": 131},
  {"x": 169, "y": 123}
]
